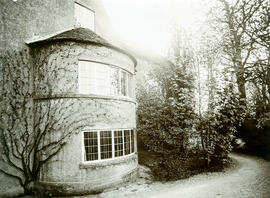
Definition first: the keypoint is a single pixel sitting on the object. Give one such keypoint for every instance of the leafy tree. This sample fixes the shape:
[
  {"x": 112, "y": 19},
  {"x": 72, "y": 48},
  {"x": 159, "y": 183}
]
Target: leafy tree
[
  {"x": 245, "y": 34},
  {"x": 259, "y": 68},
  {"x": 233, "y": 22},
  {"x": 220, "y": 123},
  {"x": 230, "y": 115},
  {"x": 165, "y": 121}
]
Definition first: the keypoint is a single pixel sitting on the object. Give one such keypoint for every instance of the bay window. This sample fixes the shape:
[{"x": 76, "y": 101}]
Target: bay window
[
  {"x": 91, "y": 146},
  {"x": 127, "y": 141},
  {"x": 118, "y": 143},
  {"x": 102, "y": 79},
  {"x": 107, "y": 144}
]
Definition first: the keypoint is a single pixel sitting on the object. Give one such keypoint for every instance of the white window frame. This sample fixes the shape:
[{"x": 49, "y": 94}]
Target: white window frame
[
  {"x": 127, "y": 73},
  {"x": 113, "y": 144}
]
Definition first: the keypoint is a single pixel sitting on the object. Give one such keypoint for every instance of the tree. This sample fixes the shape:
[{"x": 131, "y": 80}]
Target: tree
[
  {"x": 234, "y": 23},
  {"x": 208, "y": 67},
  {"x": 165, "y": 120},
  {"x": 259, "y": 68},
  {"x": 244, "y": 26},
  {"x": 219, "y": 124}
]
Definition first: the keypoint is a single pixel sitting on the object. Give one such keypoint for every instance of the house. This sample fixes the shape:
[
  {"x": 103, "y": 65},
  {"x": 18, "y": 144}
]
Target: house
[{"x": 75, "y": 95}]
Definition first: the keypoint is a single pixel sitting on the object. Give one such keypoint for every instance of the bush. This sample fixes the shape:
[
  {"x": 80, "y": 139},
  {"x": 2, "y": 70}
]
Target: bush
[
  {"x": 165, "y": 121},
  {"x": 177, "y": 166},
  {"x": 219, "y": 125}
]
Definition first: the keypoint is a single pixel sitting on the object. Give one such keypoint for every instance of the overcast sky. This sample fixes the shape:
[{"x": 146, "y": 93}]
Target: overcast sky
[{"x": 148, "y": 23}]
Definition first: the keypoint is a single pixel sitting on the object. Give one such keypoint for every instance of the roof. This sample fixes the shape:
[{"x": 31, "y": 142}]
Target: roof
[{"x": 81, "y": 35}]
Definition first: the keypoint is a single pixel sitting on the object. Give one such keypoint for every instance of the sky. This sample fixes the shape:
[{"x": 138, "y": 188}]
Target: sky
[{"x": 148, "y": 23}]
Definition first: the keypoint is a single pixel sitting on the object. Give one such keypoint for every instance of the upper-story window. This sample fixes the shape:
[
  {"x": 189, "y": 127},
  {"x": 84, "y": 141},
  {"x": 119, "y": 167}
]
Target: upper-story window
[
  {"x": 84, "y": 17},
  {"x": 102, "y": 79}
]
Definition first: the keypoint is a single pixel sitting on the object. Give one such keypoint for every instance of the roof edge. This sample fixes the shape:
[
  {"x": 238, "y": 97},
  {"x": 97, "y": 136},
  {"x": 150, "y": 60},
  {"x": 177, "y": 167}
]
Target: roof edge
[
  {"x": 42, "y": 38},
  {"x": 34, "y": 42}
]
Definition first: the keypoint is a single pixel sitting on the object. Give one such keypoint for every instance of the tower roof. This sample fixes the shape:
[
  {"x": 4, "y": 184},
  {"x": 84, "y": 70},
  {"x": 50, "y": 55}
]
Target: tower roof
[{"x": 81, "y": 35}]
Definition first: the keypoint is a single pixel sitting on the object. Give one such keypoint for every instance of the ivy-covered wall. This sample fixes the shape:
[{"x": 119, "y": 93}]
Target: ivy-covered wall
[
  {"x": 56, "y": 85},
  {"x": 34, "y": 80},
  {"x": 46, "y": 113},
  {"x": 60, "y": 62},
  {"x": 16, "y": 115}
]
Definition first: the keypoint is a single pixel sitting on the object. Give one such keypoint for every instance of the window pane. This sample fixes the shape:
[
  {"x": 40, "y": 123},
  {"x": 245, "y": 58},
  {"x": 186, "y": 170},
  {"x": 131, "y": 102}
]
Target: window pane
[
  {"x": 123, "y": 83},
  {"x": 115, "y": 83},
  {"x": 118, "y": 143},
  {"x": 105, "y": 144},
  {"x": 91, "y": 146},
  {"x": 102, "y": 79},
  {"x": 86, "y": 77},
  {"x": 132, "y": 141},
  {"x": 127, "y": 141}
]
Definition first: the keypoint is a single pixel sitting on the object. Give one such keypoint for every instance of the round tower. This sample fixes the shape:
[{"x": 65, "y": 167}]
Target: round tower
[{"x": 85, "y": 106}]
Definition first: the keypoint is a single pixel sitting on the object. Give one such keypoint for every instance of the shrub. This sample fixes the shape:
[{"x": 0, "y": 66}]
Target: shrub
[
  {"x": 219, "y": 125},
  {"x": 177, "y": 166},
  {"x": 165, "y": 121}
]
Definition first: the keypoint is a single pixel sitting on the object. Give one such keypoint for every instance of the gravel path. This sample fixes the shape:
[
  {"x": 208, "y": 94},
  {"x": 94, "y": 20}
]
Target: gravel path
[{"x": 249, "y": 179}]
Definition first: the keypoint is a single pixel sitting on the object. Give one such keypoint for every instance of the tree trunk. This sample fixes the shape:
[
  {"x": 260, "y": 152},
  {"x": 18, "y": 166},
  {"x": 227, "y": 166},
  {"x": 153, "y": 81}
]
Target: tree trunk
[
  {"x": 28, "y": 187},
  {"x": 207, "y": 147},
  {"x": 241, "y": 86}
]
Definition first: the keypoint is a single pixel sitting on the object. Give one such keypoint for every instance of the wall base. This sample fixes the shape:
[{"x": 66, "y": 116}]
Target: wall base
[{"x": 81, "y": 188}]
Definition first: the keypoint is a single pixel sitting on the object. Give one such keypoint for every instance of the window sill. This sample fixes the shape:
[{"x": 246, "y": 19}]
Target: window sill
[{"x": 109, "y": 162}]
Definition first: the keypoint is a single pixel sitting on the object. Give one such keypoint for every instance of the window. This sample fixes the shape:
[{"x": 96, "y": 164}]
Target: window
[
  {"x": 91, "y": 146},
  {"x": 105, "y": 144},
  {"x": 132, "y": 141},
  {"x": 118, "y": 143},
  {"x": 84, "y": 17},
  {"x": 102, "y": 79},
  {"x": 123, "y": 83},
  {"x": 127, "y": 141},
  {"x": 109, "y": 144}
]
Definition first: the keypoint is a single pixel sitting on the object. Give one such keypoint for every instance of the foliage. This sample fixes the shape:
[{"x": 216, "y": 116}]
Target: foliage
[
  {"x": 168, "y": 121},
  {"x": 230, "y": 115},
  {"x": 243, "y": 30},
  {"x": 239, "y": 46},
  {"x": 165, "y": 121},
  {"x": 245, "y": 35},
  {"x": 219, "y": 124},
  {"x": 177, "y": 166}
]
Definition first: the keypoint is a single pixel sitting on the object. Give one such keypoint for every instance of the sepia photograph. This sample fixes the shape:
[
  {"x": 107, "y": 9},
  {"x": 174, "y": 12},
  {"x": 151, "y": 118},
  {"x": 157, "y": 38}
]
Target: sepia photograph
[{"x": 135, "y": 98}]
